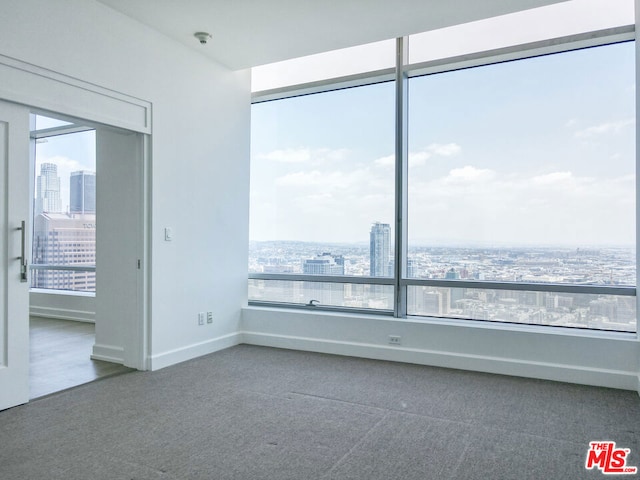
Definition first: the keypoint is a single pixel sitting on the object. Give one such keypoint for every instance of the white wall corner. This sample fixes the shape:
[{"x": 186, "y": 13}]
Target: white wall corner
[
  {"x": 172, "y": 357},
  {"x": 108, "y": 353},
  {"x": 63, "y": 305},
  {"x": 62, "y": 314}
]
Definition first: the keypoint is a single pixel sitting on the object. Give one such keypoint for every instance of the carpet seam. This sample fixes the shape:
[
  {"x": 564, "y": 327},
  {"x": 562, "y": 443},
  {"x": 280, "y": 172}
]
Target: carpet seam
[
  {"x": 444, "y": 419},
  {"x": 355, "y": 445}
]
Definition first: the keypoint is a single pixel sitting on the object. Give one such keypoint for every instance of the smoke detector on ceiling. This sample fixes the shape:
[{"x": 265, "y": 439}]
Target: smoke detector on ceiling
[{"x": 203, "y": 37}]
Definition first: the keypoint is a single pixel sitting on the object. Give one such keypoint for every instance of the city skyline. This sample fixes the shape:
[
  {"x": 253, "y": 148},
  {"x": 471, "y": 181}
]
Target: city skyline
[
  {"x": 535, "y": 264},
  {"x": 69, "y": 152},
  {"x": 600, "y": 267},
  {"x": 82, "y": 191}
]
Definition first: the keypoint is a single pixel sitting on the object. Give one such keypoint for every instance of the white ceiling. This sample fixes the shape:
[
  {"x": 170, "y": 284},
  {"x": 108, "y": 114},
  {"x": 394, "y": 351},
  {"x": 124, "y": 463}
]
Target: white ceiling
[{"x": 248, "y": 33}]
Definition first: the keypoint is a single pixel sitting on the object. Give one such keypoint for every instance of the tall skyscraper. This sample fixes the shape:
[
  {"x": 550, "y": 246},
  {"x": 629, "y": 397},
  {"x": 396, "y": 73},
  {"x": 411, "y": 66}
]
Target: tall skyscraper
[
  {"x": 380, "y": 250},
  {"x": 83, "y": 192},
  {"x": 48, "y": 189}
]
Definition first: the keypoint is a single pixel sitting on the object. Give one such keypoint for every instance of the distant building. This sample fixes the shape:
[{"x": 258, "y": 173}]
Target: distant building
[
  {"x": 82, "y": 185},
  {"x": 48, "y": 190},
  {"x": 412, "y": 269},
  {"x": 64, "y": 240},
  {"x": 452, "y": 274},
  {"x": 380, "y": 250},
  {"x": 324, "y": 264},
  {"x": 324, "y": 293}
]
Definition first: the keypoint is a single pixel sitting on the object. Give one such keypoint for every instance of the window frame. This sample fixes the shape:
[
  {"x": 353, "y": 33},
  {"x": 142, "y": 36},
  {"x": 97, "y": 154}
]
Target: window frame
[
  {"x": 401, "y": 74},
  {"x": 71, "y": 126}
]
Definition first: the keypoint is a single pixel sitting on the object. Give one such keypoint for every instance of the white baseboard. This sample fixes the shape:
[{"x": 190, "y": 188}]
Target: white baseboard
[
  {"x": 627, "y": 380},
  {"x": 63, "y": 314},
  {"x": 172, "y": 357},
  {"x": 108, "y": 353}
]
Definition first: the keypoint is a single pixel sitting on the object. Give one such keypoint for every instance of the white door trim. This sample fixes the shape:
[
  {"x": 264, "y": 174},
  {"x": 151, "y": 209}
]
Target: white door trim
[
  {"x": 39, "y": 87},
  {"x": 43, "y": 89}
]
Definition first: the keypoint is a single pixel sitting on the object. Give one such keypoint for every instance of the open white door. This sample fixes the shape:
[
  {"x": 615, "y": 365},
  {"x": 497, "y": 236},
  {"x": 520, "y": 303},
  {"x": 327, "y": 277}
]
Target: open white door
[
  {"x": 119, "y": 248},
  {"x": 14, "y": 250}
]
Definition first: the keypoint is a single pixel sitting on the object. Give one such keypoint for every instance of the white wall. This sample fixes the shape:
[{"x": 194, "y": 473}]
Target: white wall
[
  {"x": 592, "y": 358},
  {"x": 78, "y": 306},
  {"x": 200, "y": 157}
]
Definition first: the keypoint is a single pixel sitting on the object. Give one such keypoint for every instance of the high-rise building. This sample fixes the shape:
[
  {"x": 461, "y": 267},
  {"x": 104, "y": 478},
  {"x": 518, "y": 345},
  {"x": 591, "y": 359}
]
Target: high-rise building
[
  {"x": 412, "y": 269},
  {"x": 64, "y": 240},
  {"x": 48, "y": 189},
  {"x": 323, "y": 292},
  {"x": 324, "y": 264},
  {"x": 380, "y": 250},
  {"x": 82, "y": 186}
]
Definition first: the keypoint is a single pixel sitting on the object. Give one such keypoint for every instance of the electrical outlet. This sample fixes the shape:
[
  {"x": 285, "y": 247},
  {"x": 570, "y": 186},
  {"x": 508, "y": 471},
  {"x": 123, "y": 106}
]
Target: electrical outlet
[
  {"x": 395, "y": 340},
  {"x": 201, "y": 318},
  {"x": 209, "y": 317}
]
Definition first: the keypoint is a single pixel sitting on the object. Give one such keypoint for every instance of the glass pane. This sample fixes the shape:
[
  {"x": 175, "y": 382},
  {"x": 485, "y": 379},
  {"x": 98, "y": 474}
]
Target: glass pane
[
  {"x": 552, "y": 21},
  {"x": 322, "y": 184},
  {"x": 64, "y": 225},
  {"x": 76, "y": 280},
  {"x": 43, "y": 122},
  {"x": 324, "y": 66},
  {"x": 350, "y": 295},
  {"x": 525, "y": 171},
  {"x": 602, "y": 312}
]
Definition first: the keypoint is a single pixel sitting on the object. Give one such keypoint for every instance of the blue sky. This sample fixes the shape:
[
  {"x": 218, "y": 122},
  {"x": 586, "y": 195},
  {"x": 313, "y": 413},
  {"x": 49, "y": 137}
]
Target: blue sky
[{"x": 538, "y": 152}]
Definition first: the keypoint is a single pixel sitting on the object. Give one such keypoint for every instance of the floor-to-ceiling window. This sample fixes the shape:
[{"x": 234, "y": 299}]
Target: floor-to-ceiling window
[
  {"x": 322, "y": 197},
  {"x": 524, "y": 173},
  {"x": 519, "y": 181}
]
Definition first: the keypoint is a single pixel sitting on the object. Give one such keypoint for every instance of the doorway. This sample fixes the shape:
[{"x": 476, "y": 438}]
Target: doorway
[
  {"x": 62, "y": 306},
  {"x": 122, "y": 126}
]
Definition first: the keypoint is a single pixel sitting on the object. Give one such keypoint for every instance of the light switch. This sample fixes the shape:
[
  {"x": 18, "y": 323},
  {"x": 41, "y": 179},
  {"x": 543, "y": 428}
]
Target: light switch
[{"x": 168, "y": 234}]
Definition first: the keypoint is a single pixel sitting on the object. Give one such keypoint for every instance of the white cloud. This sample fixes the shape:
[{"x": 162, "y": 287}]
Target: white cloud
[
  {"x": 387, "y": 161},
  {"x": 289, "y": 155},
  {"x": 419, "y": 158},
  {"x": 444, "y": 150},
  {"x": 470, "y": 174},
  {"x": 300, "y": 179},
  {"x": 605, "y": 128},
  {"x": 416, "y": 159},
  {"x": 557, "y": 207},
  {"x": 551, "y": 178}
]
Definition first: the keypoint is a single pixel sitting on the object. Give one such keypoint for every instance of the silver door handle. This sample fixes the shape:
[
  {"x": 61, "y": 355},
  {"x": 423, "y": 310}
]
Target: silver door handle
[{"x": 23, "y": 256}]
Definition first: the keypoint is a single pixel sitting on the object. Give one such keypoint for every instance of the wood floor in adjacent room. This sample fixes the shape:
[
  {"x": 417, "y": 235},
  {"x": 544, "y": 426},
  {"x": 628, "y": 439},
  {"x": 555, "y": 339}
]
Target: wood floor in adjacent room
[{"x": 60, "y": 355}]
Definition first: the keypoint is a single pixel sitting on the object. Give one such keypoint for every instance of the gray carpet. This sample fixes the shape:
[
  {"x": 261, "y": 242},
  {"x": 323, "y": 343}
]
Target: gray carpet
[{"x": 260, "y": 413}]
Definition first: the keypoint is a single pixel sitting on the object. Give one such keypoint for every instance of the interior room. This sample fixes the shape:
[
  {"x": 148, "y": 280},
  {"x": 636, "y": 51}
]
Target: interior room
[{"x": 355, "y": 239}]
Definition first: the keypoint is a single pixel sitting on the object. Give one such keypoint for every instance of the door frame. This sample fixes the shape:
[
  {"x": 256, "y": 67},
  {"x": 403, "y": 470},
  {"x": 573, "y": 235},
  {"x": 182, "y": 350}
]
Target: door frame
[{"x": 47, "y": 91}]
